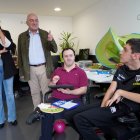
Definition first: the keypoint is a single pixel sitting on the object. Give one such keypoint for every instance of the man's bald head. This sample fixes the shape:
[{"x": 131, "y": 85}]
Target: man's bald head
[
  {"x": 30, "y": 15},
  {"x": 32, "y": 22}
]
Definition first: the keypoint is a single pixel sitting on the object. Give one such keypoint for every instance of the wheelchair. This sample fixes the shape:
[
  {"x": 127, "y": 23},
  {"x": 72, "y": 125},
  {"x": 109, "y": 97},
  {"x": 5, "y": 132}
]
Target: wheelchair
[
  {"x": 129, "y": 128},
  {"x": 37, "y": 115}
]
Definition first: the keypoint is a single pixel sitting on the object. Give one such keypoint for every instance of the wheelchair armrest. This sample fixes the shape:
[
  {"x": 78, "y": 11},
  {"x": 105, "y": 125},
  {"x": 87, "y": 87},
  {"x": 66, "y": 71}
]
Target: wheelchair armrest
[
  {"x": 46, "y": 96},
  {"x": 86, "y": 97},
  {"x": 48, "y": 92},
  {"x": 131, "y": 121},
  {"x": 131, "y": 118}
]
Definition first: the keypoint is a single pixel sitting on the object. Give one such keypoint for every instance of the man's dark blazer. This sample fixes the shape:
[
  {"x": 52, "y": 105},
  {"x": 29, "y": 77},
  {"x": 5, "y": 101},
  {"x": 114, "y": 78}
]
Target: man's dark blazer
[{"x": 23, "y": 53}]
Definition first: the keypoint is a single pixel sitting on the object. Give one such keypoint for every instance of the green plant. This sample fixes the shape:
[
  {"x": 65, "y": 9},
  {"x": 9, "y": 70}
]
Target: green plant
[{"x": 67, "y": 41}]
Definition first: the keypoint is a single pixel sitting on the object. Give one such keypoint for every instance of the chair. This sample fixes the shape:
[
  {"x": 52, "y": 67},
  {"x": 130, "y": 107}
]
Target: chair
[{"x": 129, "y": 128}]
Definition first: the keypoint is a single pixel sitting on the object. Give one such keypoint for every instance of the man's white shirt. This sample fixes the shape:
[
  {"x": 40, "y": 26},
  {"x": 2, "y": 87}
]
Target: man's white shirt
[{"x": 36, "y": 53}]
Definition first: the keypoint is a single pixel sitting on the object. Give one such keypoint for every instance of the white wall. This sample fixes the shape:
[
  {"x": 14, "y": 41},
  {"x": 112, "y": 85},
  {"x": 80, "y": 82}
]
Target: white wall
[
  {"x": 90, "y": 25},
  {"x": 15, "y": 23}
]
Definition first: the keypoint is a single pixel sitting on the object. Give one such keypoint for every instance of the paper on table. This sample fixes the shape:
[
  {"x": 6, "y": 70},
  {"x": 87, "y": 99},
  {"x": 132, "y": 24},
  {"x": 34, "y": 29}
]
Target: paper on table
[
  {"x": 99, "y": 78},
  {"x": 69, "y": 105},
  {"x": 44, "y": 106},
  {"x": 65, "y": 104}
]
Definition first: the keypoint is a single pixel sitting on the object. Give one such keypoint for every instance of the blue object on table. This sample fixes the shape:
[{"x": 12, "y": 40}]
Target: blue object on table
[
  {"x": 65, "y": 104},
  {"x": 102, "y": 72}
]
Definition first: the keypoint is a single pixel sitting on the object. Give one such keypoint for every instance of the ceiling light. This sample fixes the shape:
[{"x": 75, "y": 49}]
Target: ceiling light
[{"x": 57, "y": 9}]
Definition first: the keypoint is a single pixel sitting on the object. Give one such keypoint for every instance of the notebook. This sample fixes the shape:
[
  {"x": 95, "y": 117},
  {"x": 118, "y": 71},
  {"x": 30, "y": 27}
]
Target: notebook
[{"x": 65, "y": 104}]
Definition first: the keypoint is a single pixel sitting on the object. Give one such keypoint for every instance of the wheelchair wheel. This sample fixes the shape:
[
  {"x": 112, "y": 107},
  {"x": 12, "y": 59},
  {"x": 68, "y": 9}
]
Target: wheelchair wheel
[{"x": 135, "y": 138}]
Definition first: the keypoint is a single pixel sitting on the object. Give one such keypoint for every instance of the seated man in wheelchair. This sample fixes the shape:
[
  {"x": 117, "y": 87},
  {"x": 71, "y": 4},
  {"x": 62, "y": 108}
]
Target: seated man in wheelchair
[
  {"x": 69, "y": 74},
  {"x": 121, "y": 98}
]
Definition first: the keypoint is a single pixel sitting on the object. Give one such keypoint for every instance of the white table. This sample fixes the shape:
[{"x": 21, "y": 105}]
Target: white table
[{"x": 99, "y": 78}]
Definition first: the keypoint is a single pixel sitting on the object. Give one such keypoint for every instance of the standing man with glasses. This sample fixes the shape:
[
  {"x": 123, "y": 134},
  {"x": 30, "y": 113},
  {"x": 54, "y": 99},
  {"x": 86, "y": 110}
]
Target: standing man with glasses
[{"x": 34, "y": 57}]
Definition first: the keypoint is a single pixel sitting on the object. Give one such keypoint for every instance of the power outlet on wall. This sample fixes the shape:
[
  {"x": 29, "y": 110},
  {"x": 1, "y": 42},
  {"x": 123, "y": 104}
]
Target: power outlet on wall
[{"x": 138, "y": 17}]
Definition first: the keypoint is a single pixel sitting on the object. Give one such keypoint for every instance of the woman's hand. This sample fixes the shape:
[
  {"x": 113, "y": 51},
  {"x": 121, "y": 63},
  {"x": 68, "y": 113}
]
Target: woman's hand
[{"x": 3, "y": 51}]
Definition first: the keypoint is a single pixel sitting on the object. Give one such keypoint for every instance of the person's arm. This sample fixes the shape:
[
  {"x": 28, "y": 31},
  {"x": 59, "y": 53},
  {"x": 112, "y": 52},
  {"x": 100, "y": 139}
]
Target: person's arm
[
  {"x": 54, "y": 80},
  {"x": 83, "y": 83},
  {"x": 53, "y": 46},
  {"x": 2, "y": 38},
  {"x": 130, "y": 95},
  {"x": 7, "y": 41},
  {"x": 12, "y": 45},
  {"x": 20, "y": 63},
  {"x": 78, "y": 91},
  {"x": 3, "y": 51},
  {"x": 109, "y": 93},
  {"x": 52, "y": 43},
  {"x": 125, "y": 94}
]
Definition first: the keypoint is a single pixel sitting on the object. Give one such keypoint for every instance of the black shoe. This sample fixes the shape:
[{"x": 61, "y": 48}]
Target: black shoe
[
  {"x": 2, "y": 125},
  {"x": 81, "y": 138},
  {"x": 34, "y": 116},
  {"x": 14, "y": 123}
]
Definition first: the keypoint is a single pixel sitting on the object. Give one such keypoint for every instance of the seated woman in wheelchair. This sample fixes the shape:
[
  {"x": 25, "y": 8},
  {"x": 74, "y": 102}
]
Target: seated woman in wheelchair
[
  {"x": 121, "y": 98},
  {"x": 69, "y": 74}
]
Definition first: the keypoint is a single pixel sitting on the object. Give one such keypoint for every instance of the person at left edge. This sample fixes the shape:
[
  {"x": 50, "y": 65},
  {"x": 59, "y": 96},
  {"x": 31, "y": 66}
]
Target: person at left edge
[{"x": 7, "y": 72}]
